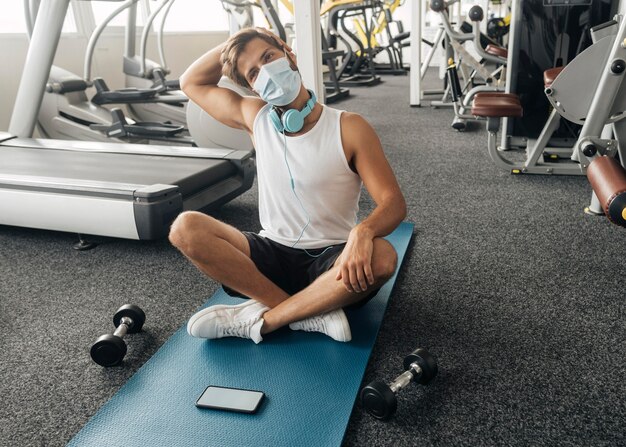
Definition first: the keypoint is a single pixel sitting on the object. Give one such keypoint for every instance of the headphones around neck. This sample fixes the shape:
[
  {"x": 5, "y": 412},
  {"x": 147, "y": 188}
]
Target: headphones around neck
[{"x": 292, "y": 120}]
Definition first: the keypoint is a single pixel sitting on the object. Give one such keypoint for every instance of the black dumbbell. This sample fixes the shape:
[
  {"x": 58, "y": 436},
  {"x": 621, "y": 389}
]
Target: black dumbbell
[
  {"x": 110, "y": 349},
  {"x": 379, "y": 399}
]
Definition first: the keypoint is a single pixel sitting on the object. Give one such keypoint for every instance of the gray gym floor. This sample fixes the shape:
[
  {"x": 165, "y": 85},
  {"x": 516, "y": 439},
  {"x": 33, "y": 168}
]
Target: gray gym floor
[{"x": 517, "y": 292}]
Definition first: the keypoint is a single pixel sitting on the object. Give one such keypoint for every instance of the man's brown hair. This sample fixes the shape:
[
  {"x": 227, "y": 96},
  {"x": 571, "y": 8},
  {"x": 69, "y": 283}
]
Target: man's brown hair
[{"x": 235, "y": 46}]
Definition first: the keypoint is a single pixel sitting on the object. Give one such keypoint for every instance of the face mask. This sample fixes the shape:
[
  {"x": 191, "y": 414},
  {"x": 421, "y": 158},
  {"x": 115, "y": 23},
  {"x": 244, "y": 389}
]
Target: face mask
[{"x": 277, "y": 83}]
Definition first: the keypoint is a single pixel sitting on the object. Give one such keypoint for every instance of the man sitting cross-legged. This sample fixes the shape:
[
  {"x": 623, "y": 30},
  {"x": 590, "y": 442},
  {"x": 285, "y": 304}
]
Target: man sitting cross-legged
[{"x": 311, "y": 258}]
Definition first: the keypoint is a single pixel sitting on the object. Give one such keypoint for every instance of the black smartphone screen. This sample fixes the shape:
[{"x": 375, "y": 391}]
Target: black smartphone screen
[{"x": 230, "y": 399}]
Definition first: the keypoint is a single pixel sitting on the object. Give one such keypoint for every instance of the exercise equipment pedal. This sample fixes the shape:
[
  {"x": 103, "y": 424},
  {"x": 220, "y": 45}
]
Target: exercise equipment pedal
[
  {"x": 380, "y": 400},
  {"x": 110, "y": 349}
]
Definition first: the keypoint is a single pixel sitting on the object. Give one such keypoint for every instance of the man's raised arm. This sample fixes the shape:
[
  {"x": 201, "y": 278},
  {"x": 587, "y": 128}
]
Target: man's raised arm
[{"x": 199, "y": 82}]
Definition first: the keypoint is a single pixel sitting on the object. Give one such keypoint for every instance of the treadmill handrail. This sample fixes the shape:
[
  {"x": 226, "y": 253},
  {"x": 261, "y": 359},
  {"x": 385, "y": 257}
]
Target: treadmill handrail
[
  {"x": 95, "y": 36},
  {"x": 144, "y": 35},
  {"x": 160, "y": 33},
  {"x": 128, "y": 148},
  {"x": 126, "y": 189}
]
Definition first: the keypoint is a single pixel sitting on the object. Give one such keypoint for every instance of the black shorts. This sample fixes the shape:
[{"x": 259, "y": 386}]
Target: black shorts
[{"x": 291, "y": 269}]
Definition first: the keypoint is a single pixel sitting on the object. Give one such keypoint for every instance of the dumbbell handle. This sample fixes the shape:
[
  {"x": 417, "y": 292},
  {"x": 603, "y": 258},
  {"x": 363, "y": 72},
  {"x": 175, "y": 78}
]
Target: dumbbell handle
[
  {"x": 121, "y": 330},
  {"x": 411, "y": 374}
]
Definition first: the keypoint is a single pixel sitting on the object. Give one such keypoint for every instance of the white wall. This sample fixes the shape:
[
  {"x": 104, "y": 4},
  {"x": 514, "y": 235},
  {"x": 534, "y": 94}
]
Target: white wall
[{"x": 181, "y": 49}]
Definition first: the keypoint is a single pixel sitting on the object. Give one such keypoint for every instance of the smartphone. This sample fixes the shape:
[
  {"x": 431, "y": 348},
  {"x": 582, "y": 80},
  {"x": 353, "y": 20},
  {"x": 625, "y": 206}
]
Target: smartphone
[{"x": 230, "y": 399}]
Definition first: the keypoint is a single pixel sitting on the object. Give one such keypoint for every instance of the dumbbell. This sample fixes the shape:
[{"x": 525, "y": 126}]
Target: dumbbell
[
  {"x": 110, "y": 349},
  {"x": 379, "y": 399}
]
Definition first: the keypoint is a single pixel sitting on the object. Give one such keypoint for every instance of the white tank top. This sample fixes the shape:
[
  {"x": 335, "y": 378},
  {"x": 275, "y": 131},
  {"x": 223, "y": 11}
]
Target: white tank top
[{"x": 328, "y": 189}]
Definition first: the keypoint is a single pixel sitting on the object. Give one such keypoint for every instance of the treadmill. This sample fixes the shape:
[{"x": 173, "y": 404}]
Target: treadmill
[{"x": 130, "y": 191}]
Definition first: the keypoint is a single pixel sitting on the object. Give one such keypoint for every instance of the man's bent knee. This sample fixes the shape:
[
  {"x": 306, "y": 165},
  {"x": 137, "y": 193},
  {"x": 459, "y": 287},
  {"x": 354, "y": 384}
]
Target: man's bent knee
[
  {"x": 187, "y": 228},
  {"x": 385, "y": 261}
]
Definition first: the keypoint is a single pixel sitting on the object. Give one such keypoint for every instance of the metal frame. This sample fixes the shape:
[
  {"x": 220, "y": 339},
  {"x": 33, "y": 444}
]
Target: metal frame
[
  {"x": 533, "y": 164},
  {"x": 415, "y": 82},
  {"x": 309, "y": 45},
  {"x": 43, "y": 45},
  {"x": 515, "y": 31},
  {"x": 605, "y": 96},
  {"x": 494, "y": 79},
  {"x": 416, "y": 92}
]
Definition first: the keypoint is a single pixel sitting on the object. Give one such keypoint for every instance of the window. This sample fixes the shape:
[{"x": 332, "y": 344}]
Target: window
[
  {"x": 12, "y": 19},
  {"x": 196, "y": 15},
  {"x": 69, "y": 26},
  {"x": 101, "y": 10}
]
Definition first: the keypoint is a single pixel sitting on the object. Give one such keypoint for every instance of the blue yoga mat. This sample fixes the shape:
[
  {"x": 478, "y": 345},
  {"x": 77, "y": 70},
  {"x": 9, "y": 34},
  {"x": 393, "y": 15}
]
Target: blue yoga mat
[{"x": 310, "y": 382}]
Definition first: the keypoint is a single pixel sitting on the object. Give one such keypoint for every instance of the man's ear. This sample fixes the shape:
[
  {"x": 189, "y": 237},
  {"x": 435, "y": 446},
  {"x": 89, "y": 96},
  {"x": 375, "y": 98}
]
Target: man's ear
[{"x": 291, "y": 56}]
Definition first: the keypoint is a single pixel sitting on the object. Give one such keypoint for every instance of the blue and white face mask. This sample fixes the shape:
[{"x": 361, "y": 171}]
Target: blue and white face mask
[{"x": 277, "y": 83}]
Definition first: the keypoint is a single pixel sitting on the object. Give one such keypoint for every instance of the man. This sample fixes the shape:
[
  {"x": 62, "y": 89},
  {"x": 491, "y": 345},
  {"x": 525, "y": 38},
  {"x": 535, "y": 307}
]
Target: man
[{"x": 312, "y": 258}]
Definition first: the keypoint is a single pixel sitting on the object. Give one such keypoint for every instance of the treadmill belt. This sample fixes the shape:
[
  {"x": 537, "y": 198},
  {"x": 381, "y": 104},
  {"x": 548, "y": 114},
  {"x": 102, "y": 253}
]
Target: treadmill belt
[
  {"x": 189, "y": 174},
  {"x": 310, "y": 382}
]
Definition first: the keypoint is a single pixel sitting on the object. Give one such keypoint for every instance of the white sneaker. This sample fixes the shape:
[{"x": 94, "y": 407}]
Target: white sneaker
[
  {"x": 334, "y": 324},
  {"x": 241, "y": 320}
]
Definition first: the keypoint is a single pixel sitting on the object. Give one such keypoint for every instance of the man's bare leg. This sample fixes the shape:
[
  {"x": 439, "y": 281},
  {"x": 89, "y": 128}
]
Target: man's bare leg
[
  {"x": 222, "y": 253},
  {"x": 327, "y": 293}
]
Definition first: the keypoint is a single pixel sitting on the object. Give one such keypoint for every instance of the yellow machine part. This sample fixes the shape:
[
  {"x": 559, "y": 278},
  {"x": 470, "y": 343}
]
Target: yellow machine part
[
  {"x": 287, "y": 4},
  {"x": 381, "y": 23},
  {"x": 330, "y": 4}
]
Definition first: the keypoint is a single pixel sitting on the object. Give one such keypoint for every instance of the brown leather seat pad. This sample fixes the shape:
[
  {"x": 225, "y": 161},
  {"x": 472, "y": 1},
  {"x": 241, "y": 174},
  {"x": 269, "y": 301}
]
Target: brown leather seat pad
[
  {"x": 497, "y": 106},
  {"x": 510, "y": 96},
  {"x": 496, "y": 51},
  {"x": 550, "y": 75}
]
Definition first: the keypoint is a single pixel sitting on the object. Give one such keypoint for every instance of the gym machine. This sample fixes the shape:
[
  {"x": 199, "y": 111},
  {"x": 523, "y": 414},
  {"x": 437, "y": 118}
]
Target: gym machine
[
  {"x": 110, "y": 349},
  {"x": 173, "y": 105},
  {"x": 545, "y": 34},
  {"x": 598, "y": 144},
  {"x": 498, "y": 28},
  {"x": 128, "y": 191},
  {"x": 68, "y": 113},
  {"x": 167, "y": 102},
  {"x": 333, "y": 90},
  {"x": 380, "y": 37},
  {"x": 493, "y": 80},
  {"x": 143, "y": 73},
  {"x": 357, "y": 67},
  {"x": 418, "y": 10},
  {"x": 600, "y": 110},
  {"x": 571, "y": 92},
  {"x": 379, "y": 399},
  {"x": 240, "y": 13}
]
